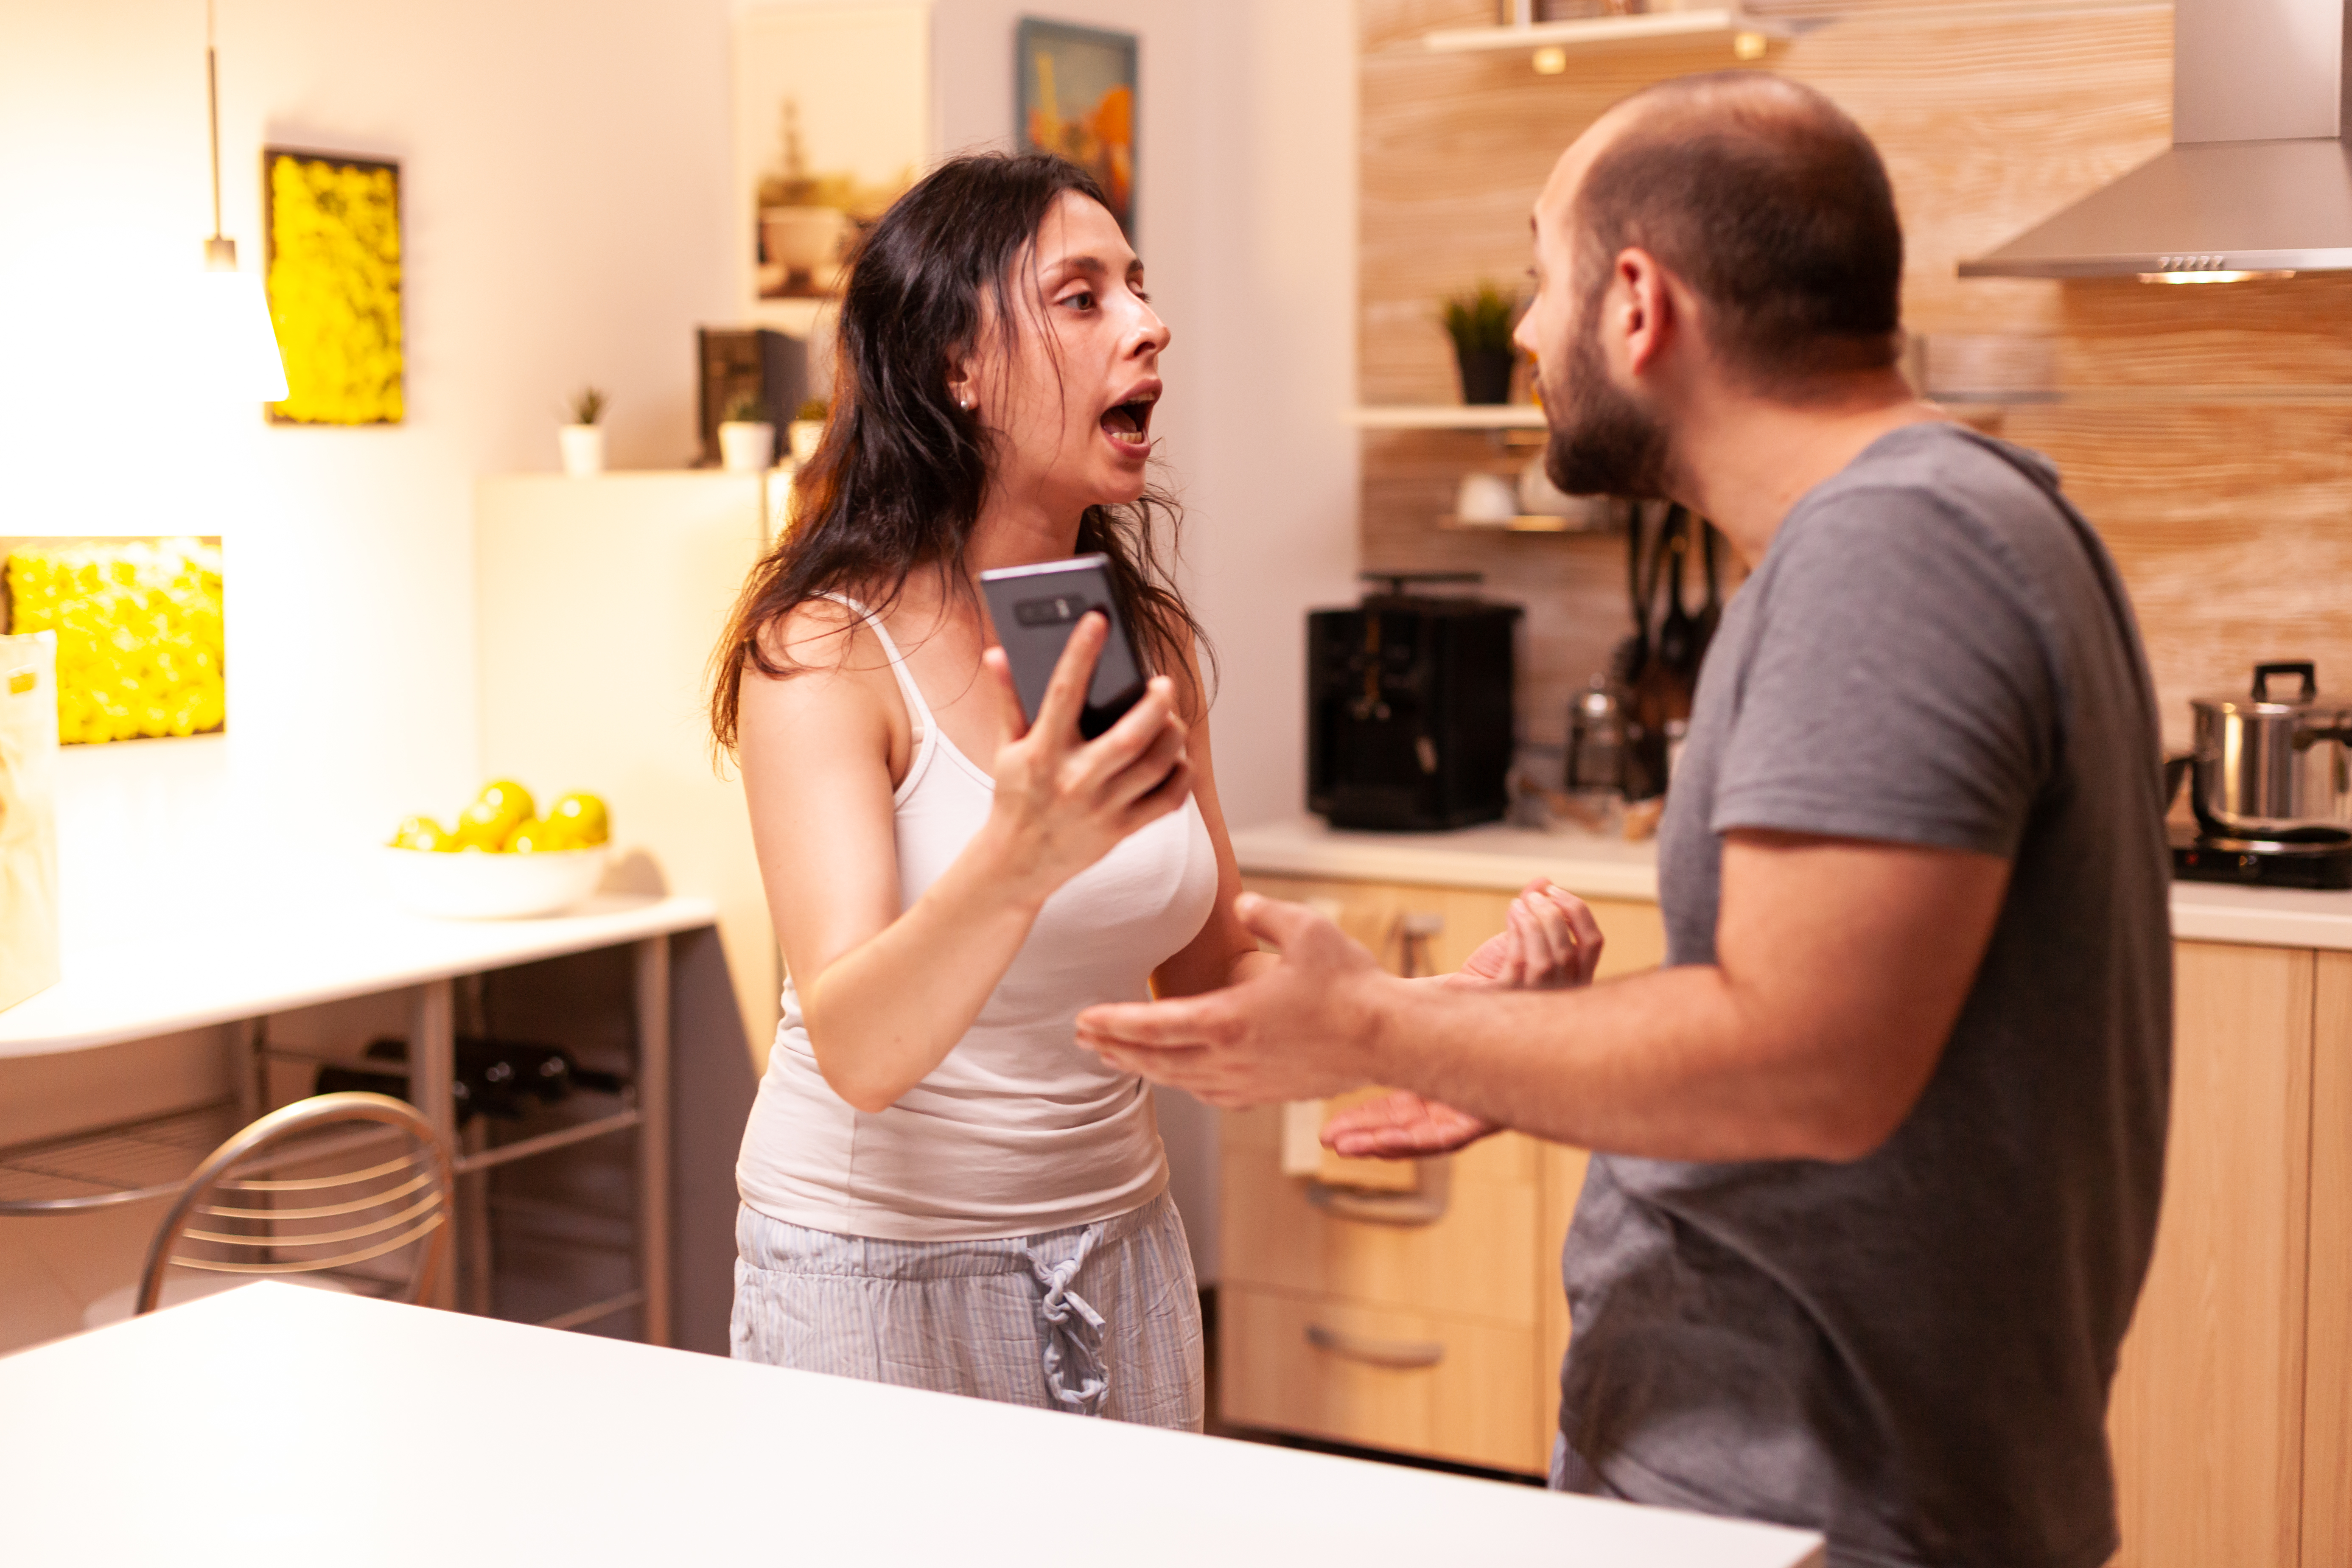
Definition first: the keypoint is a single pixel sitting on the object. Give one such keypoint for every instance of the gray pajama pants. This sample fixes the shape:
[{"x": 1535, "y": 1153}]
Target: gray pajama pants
[{"x": 1098, "y": 1320}]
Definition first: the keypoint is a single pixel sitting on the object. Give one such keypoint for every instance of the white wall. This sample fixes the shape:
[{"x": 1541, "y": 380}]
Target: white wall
[
  {"x": 566, "y": 191},
  {"x": 1246, "y": 221},
  {"x": 1246, "y": 224},
  {"x": 563, "y": 189},
  {"x": 1275, "y": 479}
]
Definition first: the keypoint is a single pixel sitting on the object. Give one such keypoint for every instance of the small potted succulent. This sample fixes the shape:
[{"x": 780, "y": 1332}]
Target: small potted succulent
[
  {"x": 582, "y": 441},
  {"x": 1480, "y": 324},
  {"x": 808, "y": 429},
  {"x": 747, "y": 438}
]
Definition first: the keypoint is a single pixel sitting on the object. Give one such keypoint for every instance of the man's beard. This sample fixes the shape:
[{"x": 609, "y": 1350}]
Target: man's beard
[{"x": 1602, "y": 442}]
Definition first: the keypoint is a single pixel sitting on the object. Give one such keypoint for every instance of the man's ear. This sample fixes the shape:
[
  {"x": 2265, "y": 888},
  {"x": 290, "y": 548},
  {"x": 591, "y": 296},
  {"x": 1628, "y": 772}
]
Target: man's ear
[{"x": 1641, "y": 297}]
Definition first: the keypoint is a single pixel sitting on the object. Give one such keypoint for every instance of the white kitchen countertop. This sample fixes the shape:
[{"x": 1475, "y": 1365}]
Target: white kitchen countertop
[
  {"x": 1594, "y": 866},
  {"x": 248, "y": 964},
  {"x": 272, "y": 1424},
  {"x": 1494, "y": 856}
]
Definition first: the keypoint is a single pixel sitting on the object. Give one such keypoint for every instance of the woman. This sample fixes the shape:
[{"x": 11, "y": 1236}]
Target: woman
[{"x": 939, "y": 1188}]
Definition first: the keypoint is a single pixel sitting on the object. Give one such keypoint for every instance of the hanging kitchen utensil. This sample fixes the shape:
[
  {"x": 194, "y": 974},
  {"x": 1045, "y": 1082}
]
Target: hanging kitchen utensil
[
  {"x": 1677, "y": 636},
  {"x": 1649, "y": 677},
  {"x": 1658, "y": 664},
  {"x": 1710, "y": 615}
]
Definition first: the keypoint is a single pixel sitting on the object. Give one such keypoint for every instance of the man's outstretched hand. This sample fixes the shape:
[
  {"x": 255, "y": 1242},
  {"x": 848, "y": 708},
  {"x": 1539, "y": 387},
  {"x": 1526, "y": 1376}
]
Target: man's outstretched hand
[
  {"x": 1300, "y": 1029},
  {"x": 1307, "y": 1028}
]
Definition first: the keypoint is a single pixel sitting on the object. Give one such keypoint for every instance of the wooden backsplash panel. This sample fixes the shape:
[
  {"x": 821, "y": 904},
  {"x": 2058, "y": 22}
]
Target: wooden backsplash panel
[
  {"x": 1573, "y": 587},
  {"x": 2208, "y": 432},
  {"x": 2230, "y": 525}
]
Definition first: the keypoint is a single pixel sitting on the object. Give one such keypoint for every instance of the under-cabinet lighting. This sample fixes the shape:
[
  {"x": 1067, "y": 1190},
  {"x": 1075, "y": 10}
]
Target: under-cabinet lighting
[
  {"x": 1551, "y": 61},
  {"x": 2211, "y": 277}
]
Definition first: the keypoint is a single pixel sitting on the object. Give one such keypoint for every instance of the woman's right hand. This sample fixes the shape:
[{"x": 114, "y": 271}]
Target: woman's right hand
[{"x": 1062, "y": 802}]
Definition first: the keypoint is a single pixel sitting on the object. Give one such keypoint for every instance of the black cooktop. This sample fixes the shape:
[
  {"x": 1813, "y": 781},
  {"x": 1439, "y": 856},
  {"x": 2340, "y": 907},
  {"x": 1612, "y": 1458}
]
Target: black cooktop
[{"x": 2199, "y": 858}]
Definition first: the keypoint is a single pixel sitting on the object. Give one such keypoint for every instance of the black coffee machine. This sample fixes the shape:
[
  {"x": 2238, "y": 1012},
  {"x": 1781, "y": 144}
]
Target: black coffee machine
[{"x": 1409, "y": 707}]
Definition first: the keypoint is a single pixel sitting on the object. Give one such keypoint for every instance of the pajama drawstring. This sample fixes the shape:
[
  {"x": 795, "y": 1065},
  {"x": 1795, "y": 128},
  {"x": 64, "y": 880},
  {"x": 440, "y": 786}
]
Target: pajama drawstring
[{"x": 1072, "y": 1330}]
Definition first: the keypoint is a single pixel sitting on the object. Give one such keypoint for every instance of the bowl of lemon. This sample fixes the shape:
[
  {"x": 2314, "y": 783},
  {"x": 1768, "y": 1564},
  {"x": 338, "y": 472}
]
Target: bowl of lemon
[{"x": 501, "y": 860}]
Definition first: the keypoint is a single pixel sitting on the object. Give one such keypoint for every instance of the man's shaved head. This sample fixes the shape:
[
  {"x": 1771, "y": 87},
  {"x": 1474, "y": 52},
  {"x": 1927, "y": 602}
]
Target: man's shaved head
[
  {"x": 1771, "y": 209},
  {"x": 1769, "y": 201}
]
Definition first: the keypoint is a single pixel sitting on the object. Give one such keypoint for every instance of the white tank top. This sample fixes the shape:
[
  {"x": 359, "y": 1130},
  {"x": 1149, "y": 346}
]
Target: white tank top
[{"x": 1019, "y": 1130}]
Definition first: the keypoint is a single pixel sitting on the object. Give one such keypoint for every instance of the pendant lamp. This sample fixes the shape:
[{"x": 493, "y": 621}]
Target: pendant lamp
[{"x": 238, "y": 344}]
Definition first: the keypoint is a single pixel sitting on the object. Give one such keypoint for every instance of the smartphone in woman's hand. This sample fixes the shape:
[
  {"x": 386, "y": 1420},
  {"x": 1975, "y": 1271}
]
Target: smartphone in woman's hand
[{"x": 1036, "y": 608}]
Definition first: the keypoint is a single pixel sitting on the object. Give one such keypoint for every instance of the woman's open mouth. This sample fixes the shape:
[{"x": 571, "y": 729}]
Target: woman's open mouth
[{"x": 1128, "y": 424}]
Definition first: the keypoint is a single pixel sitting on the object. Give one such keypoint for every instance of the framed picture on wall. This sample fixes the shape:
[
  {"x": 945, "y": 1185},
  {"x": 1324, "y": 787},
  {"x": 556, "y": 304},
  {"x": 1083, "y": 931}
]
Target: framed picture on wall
[
  {"x": 141, "y": 651},
  {"x": 1075, "y": 95},
  {"x": 832, "y": 122},
  {"x": 333, "y": 279}
]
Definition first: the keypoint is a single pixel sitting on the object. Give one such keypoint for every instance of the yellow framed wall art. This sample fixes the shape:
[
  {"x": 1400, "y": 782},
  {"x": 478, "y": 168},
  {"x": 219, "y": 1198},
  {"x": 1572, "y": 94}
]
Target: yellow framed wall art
[
  {"x": 141, "y": 651},
  {"x": 333, "y": 276}
]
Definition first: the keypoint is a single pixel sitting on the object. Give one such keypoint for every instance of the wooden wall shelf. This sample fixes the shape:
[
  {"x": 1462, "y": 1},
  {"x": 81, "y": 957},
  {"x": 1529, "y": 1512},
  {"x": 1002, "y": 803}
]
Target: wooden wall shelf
[
  {"x": 1528, "y": 524},
  {"x": 1745, "y": 35},
  {"x": 1448, "y": 417}
]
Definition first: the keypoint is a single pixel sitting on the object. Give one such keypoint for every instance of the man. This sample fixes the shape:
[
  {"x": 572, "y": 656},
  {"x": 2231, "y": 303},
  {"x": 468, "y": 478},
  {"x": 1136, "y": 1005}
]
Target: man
[{"x": 1878, "y": 1152}]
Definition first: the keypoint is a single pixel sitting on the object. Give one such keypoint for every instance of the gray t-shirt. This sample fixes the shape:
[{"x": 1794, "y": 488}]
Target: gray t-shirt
[{"x": 1911, "y": 1352}]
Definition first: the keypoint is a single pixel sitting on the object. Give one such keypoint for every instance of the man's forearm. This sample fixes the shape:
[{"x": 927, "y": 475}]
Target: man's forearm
[{"x": 1664, "y": 1065}]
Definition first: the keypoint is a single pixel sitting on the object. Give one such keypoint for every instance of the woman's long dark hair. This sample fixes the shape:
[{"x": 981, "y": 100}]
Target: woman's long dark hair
[{"x": 897, "y": 483}]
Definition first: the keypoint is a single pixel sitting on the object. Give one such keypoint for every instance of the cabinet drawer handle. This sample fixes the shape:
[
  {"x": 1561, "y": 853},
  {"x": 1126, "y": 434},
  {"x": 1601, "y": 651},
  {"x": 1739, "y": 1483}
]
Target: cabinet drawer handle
[
  {"x": 1401, "y": 1353},
  {"x": 1378, "y": 1208},
  {"x": 1425, "y": 1205}
]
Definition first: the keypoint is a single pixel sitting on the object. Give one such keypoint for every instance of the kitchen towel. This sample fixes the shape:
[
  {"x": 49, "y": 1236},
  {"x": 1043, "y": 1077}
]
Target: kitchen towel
[{"x": 28, "y": 815}]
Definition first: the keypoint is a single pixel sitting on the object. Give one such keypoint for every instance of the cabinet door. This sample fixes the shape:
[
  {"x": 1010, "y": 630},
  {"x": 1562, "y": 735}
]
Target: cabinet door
[
  {"x": 1453, "y": 1388},
  {"x": 1635, "y": 940},
  {"x": 1458, "y": 1267},
  {"x": 2328, "y": 1395},
  {"x": 2207, "y": 1418}
]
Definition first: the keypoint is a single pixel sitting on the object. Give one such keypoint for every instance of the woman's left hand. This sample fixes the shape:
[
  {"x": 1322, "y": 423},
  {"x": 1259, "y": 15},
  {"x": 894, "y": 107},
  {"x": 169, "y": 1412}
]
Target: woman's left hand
[{"x": 1549, "y": 942}]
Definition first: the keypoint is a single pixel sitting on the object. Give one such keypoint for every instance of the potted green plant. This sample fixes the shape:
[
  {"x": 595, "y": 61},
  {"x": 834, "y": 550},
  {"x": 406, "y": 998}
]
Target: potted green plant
[
  {"x": 747, "y": 436},
  {"x": 1480, "y": 324},
  {"x": 581, "y": 441},
  {"x": 808, "y": 429}
]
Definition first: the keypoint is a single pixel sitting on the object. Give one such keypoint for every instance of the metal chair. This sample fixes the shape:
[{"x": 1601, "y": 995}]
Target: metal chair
[{"x": 323, "y": 1184}]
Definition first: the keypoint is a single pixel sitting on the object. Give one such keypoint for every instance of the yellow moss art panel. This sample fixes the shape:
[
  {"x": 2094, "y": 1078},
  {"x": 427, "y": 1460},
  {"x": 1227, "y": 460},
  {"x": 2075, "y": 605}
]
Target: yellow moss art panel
[
  {"x": 141, "y": 653},
  {"x": 334, "y": 287}
]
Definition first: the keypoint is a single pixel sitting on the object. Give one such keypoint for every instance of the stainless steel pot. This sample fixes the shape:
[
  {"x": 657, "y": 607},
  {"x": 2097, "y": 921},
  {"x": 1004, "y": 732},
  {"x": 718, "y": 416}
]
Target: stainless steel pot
[{"x": 2270, "y": 767}]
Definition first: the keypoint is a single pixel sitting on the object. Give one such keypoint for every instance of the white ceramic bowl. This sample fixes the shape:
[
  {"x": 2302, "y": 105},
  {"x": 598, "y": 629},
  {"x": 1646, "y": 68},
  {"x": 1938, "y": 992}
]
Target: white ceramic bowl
[{"x": 477, "y": 885}]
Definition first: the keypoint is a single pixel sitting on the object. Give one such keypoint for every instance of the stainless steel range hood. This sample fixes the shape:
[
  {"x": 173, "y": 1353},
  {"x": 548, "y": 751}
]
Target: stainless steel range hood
[{"x": 2259, "y": 177}]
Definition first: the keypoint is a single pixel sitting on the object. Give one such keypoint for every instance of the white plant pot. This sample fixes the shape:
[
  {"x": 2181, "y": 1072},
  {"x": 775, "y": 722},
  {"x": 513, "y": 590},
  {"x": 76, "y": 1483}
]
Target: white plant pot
[
  {"x": 584, "y": 448},
  {"x": 805, "y": 434},
  {"x": 746, "y": 448}
]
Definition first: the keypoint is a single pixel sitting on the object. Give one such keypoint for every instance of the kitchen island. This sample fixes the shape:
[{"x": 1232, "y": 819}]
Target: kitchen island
[{"x": 391, "y": 1434}]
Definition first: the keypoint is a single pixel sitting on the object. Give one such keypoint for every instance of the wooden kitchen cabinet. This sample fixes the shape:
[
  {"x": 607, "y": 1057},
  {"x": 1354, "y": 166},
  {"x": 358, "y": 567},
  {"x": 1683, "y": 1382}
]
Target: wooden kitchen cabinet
[
  {"x": 2206, "y": 1413},
  {"x": 2327, "y": 1322},
  {"x": 1440, "y": 1338}
]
